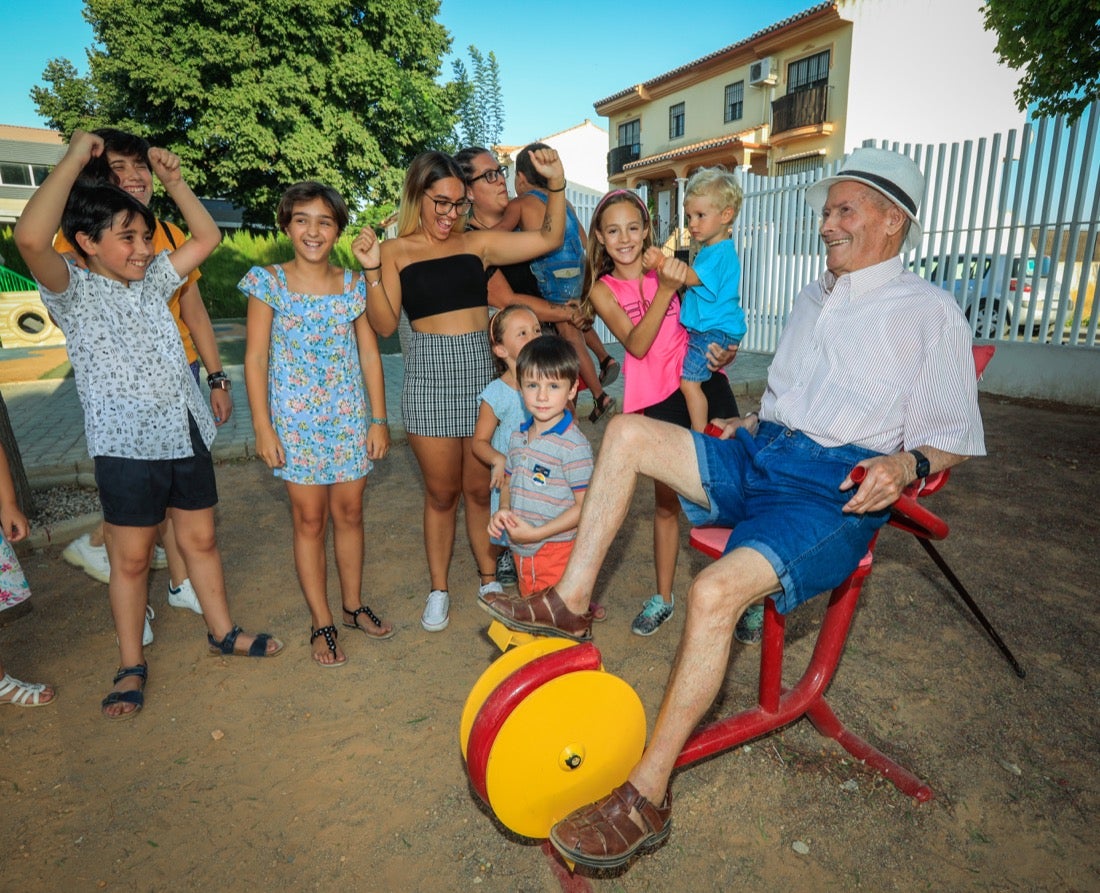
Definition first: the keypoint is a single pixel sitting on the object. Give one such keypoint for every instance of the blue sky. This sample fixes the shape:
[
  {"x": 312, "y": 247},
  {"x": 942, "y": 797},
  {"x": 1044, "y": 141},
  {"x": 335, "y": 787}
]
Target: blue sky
[{"x": 554, "y": 63}]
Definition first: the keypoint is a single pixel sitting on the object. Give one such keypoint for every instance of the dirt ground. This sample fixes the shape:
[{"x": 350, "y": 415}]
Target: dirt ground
[{"x": 283, "y": 776}]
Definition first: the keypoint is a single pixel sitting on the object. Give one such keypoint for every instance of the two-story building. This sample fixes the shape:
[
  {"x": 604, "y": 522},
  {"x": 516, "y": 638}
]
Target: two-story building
[
  {"x": 807, "y": 90},
  {"x": 27, "y": 154}
]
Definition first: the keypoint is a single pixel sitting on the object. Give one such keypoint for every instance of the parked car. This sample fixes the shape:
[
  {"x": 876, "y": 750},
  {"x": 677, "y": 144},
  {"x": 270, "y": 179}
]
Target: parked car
[{"x": 985, "y": 288}]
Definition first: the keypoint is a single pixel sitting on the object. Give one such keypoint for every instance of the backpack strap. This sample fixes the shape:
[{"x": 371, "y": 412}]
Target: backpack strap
[{"x": 168, "y": 235}]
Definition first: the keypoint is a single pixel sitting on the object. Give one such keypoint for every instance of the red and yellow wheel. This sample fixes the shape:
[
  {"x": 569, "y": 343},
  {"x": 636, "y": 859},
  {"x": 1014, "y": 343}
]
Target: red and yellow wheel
[{"x": 546, "y": 730}]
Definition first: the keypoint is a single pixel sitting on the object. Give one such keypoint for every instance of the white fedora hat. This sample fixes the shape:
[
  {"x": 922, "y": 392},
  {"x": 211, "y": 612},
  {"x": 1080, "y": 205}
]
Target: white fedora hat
[{"x": 894, "y": 175}]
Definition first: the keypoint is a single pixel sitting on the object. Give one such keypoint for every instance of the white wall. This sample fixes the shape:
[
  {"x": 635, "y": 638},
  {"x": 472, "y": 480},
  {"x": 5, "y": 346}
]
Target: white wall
[
  {"x": 925, "y": 71},
  {"x": 583, "y": 151}
]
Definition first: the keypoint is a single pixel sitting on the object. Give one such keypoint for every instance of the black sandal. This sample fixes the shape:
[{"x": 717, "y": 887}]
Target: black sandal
[
  {"x": 137, "y": 698},
  {"x": 609, "y": 370},
  {"x": 330, "y": 634},
  {"x": 258, "y": 648},
  {"x": 374, "y": 619},
  {"x": 604, "y": 405}
]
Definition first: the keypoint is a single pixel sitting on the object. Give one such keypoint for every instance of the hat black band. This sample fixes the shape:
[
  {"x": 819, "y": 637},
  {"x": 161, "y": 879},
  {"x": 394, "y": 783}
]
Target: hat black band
[{"x": 888, "y": 186}]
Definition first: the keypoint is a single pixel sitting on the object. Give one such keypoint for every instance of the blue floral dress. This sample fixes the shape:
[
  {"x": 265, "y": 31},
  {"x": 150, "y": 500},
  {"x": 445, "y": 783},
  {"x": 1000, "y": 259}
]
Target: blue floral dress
[
  {"x": 13, "y": 585},
  {"x": 316, "y": 394}
]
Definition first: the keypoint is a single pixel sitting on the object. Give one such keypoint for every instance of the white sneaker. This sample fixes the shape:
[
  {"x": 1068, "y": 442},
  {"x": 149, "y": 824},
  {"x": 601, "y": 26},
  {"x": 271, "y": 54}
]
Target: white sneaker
[
  {"x": 91, "y": 559},
  {"x": 491, "y": 586},
  {"x": 160, "y": 559},
  {"x": 147, "y": 633},
  {"x": 435, "y": 617},
  {"x": 184, "y": 596}
]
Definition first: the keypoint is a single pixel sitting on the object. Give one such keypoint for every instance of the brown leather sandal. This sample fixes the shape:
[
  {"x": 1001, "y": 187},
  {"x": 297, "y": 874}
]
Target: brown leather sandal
[
  {"x": 602, "y": 835},
  {"x": 543, "y": 612}
]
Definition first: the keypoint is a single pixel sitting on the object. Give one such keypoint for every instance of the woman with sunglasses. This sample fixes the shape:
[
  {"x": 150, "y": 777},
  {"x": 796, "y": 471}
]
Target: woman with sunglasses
[
  {"x": 435, "y": 271},
  {"x": 487, "y": 189}
]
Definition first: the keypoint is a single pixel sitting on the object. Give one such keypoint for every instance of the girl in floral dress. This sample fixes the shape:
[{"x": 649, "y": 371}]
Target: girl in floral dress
[
  {"x": 308, "y": 355},
  {"x": 13, "y": 588}
]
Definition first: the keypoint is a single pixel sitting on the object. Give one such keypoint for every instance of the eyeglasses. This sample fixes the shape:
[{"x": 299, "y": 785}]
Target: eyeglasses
[
  {"x": 443, "y": 206},
  {"x": 491, "y": 175}
]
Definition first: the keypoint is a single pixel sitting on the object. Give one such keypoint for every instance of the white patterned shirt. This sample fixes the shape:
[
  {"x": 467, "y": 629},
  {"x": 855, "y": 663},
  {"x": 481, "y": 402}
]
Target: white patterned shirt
[
  {"x": 878, "y": 358},
  {"x": 132, "y": 376}
]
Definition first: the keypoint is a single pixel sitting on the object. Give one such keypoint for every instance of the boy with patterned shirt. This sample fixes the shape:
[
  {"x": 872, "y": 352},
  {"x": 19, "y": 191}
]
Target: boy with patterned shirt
[
  {"x": 147, "y": 426},
  {"x": 548, "y": 468}
]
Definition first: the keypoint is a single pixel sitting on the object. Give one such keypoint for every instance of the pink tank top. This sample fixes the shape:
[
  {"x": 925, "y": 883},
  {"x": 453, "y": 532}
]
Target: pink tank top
[{"x": 656, "y": 375}]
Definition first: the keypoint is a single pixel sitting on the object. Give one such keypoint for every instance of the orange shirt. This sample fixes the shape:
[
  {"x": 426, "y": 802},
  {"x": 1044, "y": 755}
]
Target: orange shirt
[{"x": 160, "y": 243}]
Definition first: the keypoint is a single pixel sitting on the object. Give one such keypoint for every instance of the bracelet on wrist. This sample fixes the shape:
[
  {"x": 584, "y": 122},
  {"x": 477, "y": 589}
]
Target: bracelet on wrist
[
  {"x": 219, "y": 381},
  {"x": 562, "y": 189},
  {"x": 379, "y": 421},
  {"x": 372, "y": 269}
]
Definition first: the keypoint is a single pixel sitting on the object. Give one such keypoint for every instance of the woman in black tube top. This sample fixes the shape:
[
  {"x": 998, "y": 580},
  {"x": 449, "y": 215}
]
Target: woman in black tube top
[{"x": 435, "y": 271}]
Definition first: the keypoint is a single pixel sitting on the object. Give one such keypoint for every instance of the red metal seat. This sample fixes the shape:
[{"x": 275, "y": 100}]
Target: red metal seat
[{"x": 777, "y": 705}]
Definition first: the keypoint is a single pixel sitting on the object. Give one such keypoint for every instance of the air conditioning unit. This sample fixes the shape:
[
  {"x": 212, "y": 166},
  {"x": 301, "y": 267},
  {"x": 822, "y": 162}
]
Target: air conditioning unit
[{"x": 762, "y": 72}]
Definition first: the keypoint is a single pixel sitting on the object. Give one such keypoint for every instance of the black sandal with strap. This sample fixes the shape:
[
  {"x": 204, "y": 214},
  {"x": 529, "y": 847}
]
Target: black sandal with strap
[
  {"x": 330, "y": 634},
  {"x": 136, "y": 698},
  {"x": 374, "y": 619},
  {"x": 258, "y": 648},
  {"x": 604, "y": 405}
]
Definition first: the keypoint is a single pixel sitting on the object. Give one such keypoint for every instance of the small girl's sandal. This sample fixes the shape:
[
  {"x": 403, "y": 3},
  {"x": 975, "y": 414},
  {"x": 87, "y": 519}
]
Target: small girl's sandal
[
  {"x": 376, "y": 629},
  {"x": 135, "y": 698},
  {"x": 258, "y": 648},
  {"x": 604, "y": 405},
  {"x": 24, "y": 694},
  {"x": 329, "y": 632}
]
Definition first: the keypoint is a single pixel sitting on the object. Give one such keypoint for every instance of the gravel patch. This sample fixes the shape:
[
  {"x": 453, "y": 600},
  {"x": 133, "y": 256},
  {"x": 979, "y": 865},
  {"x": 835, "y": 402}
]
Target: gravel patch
[{"x": 55, "y": 504}]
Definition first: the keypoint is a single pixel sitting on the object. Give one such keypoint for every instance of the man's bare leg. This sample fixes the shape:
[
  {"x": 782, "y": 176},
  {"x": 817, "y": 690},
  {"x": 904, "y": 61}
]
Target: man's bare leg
[{"x": 633, "y": 445}]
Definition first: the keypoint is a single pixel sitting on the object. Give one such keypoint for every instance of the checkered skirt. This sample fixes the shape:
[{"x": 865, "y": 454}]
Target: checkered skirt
[{"x": 443, "y": 376}]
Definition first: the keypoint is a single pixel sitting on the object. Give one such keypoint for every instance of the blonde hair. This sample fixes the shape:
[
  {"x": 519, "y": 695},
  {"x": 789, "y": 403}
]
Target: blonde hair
[
  {"x": 426, "y": 170},
  {"x": 719, "y": 185},
  {"x": 597, "y": 261},
  {"x": 496, "y": 330}
]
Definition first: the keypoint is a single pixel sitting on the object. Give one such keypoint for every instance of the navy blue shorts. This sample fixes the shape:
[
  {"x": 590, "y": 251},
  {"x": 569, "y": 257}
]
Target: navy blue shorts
[
  {"x": 779, "y": 492},
  {"x": 138, "y": 492},
  {"x": 673, "y": 409}
]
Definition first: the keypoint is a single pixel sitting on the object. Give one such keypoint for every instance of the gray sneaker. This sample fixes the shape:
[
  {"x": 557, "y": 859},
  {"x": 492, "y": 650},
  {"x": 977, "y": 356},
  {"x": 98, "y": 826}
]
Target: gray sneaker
[
  {"x": 435, "y": 617},
  {"x": 506, "y": 569},
  {"x": 750, "y": 628},
  {"x": 654, "y": 612}
]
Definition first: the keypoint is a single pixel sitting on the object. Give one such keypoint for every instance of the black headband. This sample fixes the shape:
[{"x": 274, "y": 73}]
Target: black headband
[{"x": 888, "y": 186}]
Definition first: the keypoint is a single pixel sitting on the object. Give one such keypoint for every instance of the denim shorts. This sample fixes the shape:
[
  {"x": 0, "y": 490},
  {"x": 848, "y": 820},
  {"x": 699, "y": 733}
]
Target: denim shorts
[
  {"x": 779, "y": 493},
  {"x": 695, "y": 360},
  {"x": 138, "y": 492}
]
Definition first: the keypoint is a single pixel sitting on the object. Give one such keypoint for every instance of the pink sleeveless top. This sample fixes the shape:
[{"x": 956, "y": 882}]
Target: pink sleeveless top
[{"x": 656, "y": 375}]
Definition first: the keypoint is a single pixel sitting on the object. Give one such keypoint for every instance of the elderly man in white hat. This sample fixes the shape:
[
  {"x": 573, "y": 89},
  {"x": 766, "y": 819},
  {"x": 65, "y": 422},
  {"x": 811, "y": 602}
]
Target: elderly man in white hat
[{"x": 874, "y": 368}]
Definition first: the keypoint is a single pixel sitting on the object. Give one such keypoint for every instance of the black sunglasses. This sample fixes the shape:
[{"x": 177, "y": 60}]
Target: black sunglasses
[{"x": 491, "y": 175}]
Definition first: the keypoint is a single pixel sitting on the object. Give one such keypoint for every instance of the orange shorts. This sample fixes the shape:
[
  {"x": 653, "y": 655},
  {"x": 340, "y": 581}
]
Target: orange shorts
[{"x": 543, "y": 569}]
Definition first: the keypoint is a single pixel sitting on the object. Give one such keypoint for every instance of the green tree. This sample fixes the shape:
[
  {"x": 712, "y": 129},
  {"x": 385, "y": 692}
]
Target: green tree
[
  {"x": 1057, "y": 45},
  {"x": 256, "y": 94},
  {"x": 480, "y": 103}
]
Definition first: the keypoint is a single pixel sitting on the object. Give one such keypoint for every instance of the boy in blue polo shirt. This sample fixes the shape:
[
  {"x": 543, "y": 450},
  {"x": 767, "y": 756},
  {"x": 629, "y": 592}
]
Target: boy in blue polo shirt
[{"x": 548, "y": 468}]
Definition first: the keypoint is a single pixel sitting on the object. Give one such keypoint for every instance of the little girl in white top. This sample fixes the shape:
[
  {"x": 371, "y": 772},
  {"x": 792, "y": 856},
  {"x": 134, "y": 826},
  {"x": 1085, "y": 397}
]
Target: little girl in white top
[{"x": 500, "y": 413}]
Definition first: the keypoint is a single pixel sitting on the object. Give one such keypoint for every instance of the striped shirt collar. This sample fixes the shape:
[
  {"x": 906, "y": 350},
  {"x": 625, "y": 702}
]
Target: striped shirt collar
[
  {"x": 559, "y": 428},
  {"x": 864, "y": 280}
]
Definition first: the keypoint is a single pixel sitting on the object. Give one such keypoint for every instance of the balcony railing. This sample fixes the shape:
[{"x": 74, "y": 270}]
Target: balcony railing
[
  {"x": 621, "y": 156},
  {"x": 802, "y": 109}
]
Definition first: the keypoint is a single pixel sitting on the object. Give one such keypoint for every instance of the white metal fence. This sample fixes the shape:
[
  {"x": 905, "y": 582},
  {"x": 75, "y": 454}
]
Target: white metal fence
[{"x": 1011, "y": 225}]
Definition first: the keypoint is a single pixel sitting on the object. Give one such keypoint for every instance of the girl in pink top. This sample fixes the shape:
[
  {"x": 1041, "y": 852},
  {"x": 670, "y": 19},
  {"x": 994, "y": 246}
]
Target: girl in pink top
[{"x": 642, "y": 310}]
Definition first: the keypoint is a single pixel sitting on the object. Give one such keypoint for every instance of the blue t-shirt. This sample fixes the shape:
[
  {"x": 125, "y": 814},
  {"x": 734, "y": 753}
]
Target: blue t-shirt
[{"x": 716, "y": 302}]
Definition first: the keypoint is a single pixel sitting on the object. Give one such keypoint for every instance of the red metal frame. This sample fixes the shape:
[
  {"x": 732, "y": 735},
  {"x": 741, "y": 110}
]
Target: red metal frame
[{"x": 778, "y": 706}]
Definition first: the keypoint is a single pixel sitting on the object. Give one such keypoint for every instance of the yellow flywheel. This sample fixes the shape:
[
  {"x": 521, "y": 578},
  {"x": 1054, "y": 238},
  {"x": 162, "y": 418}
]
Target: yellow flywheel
[
  {"x": 567, "y": 743},
  {"x": 499, "y": 670}
]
